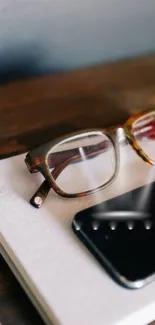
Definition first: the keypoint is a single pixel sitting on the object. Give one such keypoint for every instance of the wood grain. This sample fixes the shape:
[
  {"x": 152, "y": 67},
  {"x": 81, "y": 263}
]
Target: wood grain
[{"x": 37, "y": 110}]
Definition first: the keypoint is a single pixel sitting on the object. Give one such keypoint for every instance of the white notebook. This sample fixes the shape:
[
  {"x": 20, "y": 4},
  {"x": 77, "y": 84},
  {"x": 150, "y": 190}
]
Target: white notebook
[{"x": 63, "y": 280}]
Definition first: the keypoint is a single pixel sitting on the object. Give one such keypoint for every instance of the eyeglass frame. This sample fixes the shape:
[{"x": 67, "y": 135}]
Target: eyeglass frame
[{"x": 36, "y": 159}]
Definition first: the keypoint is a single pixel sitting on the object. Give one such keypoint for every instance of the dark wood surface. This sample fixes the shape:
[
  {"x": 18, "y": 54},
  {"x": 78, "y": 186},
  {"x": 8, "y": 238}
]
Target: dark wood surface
[
  {"x": 37, "y": 110},
  {"x": 15, "y": 307}
]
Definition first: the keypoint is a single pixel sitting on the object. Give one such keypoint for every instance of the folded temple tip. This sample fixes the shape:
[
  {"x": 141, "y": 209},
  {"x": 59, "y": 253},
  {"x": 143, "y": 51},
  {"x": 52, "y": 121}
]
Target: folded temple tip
[{"x": 36, "y": 201}]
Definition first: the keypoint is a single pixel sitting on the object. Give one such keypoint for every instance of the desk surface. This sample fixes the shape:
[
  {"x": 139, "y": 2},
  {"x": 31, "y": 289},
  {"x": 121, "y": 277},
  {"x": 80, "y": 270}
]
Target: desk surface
[{"x": 34, "y": 111}]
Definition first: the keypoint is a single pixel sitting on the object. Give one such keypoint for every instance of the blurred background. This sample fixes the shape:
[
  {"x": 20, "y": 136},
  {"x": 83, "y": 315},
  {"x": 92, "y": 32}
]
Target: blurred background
[{"x": 48, "y": 36}]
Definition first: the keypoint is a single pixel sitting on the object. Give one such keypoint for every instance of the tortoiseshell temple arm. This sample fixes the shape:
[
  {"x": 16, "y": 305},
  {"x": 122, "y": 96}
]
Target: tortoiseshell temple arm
[
  {"x": 40, "y": 195},
  {"x": 55, "y": 160}
]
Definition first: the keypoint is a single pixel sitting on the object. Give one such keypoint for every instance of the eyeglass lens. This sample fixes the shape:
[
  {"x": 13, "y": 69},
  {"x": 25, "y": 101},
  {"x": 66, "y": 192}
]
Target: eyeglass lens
[{"x": 86, "y": 162}]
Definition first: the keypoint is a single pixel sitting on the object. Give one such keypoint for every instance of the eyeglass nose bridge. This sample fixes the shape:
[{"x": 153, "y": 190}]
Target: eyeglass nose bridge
[{"x": 135, "y": 146}]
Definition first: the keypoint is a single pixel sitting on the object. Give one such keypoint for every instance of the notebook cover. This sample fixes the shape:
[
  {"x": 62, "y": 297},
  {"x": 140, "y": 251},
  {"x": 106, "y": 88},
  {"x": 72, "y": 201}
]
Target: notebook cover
[{"x": 65, "y": 283}]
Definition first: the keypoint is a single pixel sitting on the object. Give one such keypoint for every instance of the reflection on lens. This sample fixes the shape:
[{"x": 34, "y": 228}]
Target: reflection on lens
[
  {"x": 144, "y": 132},
  {"x": 86, "y": 162}
]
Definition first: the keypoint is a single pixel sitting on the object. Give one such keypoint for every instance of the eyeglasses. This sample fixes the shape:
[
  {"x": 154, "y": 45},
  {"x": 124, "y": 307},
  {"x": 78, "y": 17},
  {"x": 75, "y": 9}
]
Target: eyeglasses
[{"x": 85, "y": 162}]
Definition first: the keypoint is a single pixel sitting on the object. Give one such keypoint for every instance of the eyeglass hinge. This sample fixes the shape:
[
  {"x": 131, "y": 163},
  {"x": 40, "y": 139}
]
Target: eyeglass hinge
[{"x": 30, "y": 164}]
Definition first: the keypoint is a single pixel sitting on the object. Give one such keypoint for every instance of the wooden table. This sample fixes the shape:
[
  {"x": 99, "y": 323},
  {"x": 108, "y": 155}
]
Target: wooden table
[
  {"x": 15, "y": 307},
  {"x": 37, "y": 110}
]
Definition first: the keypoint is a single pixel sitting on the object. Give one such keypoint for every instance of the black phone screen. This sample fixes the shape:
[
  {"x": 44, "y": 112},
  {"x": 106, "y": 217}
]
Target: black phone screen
[{"x": 120, "y": 233}]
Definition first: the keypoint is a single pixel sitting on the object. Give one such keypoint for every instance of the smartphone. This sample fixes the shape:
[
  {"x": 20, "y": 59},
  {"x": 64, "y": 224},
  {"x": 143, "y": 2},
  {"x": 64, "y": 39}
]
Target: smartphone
[{"x": 120, "y": 233}]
